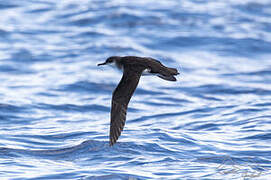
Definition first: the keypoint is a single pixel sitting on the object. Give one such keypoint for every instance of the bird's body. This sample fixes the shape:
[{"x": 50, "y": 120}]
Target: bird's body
[{"x": 133, "y": 67}]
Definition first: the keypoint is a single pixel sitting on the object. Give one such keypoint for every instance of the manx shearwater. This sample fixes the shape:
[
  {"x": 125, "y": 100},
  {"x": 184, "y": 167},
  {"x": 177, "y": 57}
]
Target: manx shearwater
[{"x": 132, "y": 67}]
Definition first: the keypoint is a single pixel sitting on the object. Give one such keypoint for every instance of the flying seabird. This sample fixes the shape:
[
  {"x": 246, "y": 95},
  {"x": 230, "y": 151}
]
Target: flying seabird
[{"x": 133, "y": 67}]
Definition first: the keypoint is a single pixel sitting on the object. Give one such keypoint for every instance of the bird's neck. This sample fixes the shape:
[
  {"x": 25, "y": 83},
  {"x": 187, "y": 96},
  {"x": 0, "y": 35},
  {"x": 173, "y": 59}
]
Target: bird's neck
[{"x": 118, "y": 65}]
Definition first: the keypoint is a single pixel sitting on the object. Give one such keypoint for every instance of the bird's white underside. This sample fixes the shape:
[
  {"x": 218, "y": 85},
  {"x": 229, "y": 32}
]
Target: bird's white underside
[{"x": 146, "y": 72}]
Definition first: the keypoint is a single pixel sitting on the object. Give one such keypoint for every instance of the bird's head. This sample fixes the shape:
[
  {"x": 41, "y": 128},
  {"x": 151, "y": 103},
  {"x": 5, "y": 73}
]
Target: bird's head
[{"x": 110, "y": 60}]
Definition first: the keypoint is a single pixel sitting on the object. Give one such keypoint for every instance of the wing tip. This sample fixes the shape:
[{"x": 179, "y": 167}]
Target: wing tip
[{"x": 112, "y": 142}]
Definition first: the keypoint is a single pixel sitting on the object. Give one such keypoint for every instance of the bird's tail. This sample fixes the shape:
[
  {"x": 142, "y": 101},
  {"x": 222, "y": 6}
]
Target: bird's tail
[
  {"x": 169, "y": 74},
  {"x": 173, "y": 71},
  {"x": 168, "y": 77}
]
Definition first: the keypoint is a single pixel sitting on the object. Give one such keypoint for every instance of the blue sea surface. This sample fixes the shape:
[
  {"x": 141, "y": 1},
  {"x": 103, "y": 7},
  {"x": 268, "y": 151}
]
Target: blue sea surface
[{"x": 213, "y": 123}]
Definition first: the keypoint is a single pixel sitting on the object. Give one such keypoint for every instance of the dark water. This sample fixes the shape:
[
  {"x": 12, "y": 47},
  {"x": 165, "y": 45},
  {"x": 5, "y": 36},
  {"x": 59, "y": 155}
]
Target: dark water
[{"x": 214, "y": 123}]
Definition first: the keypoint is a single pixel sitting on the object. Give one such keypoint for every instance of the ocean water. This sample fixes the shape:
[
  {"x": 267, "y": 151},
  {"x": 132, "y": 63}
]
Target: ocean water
[{"x": 213, "y": 123}]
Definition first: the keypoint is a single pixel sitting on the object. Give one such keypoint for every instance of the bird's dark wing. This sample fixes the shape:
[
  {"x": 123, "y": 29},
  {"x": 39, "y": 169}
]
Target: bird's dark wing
[{"x": 120, "y": 100}]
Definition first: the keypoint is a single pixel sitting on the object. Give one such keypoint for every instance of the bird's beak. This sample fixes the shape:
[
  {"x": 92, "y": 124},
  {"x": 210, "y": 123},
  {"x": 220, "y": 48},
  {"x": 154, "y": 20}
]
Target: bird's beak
[{"x": 101, "y": 64}]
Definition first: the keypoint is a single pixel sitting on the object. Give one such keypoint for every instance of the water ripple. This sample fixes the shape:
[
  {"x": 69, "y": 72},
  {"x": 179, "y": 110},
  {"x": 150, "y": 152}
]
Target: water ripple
[{"x": 213, "y": 123}]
